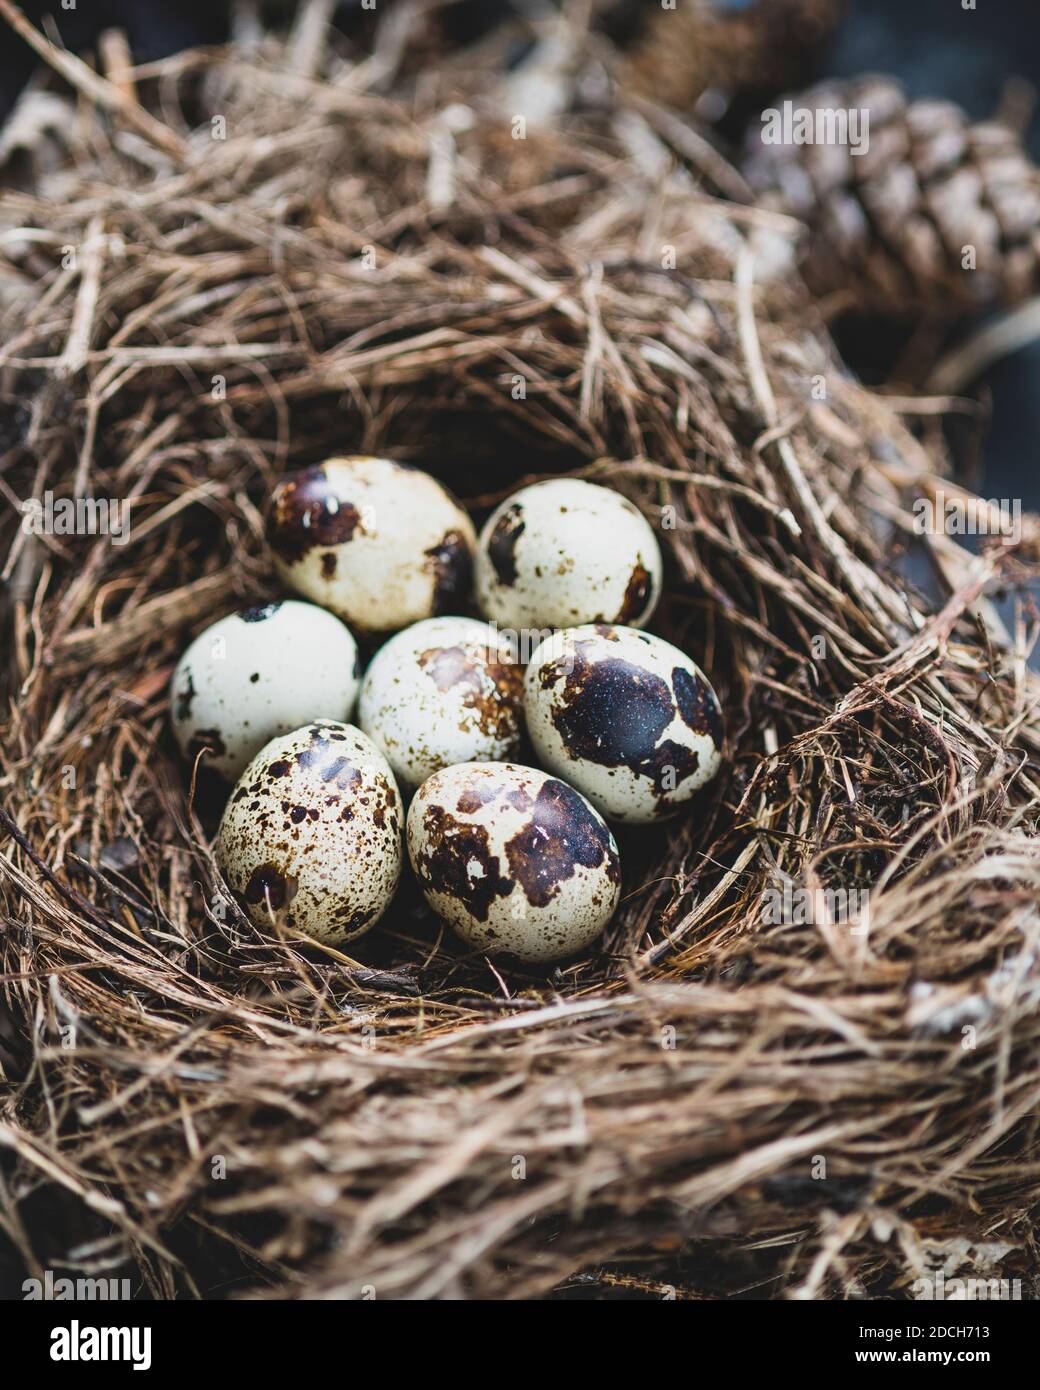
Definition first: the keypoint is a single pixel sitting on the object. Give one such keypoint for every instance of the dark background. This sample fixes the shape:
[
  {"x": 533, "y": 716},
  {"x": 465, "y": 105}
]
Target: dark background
[{"x": 938, "y": 49}]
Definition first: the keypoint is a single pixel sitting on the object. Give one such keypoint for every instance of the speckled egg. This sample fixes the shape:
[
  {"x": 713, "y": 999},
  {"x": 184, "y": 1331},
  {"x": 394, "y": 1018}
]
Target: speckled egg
[
  {"x": 444, "y": 691},
  {"x": 516, "y": 861},
  {"x": 378, "y": 543},
  {"x": 626, "y": 717},
  {"x": 259, "y": 673},
  {"x": 564, "y": 552},
  {"x": 311, "y": 837}
]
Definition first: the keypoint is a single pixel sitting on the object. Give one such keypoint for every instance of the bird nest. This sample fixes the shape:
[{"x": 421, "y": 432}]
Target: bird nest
[{"x": 803, "y": 1060}]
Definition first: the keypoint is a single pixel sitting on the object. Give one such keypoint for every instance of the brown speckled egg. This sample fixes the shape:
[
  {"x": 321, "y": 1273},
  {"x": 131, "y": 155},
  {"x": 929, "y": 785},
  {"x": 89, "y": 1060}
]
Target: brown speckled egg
[
  {"x": 626, "y": 717},
  {"x": 380, "y": 544},
  {"x": 311, "y": 837},
  {"x": 444, "y": 691},
  {"x": 515, "y": 860},
  {"x": 260, "y": 673},
  {"x": 564, "y": 552}
]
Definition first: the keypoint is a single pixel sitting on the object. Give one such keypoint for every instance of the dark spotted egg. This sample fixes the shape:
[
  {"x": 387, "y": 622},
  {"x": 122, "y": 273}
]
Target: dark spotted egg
[
  {"x": 258, "y": 673},
  {"x": 515, "y": 860},
  {"x": 380, "y": 544},
  {"x": 447, "y": 690},
  {"x": 564, "y": 552},
  {"x": 311, "y": 837},
  {"x": 626, "y": 717}
]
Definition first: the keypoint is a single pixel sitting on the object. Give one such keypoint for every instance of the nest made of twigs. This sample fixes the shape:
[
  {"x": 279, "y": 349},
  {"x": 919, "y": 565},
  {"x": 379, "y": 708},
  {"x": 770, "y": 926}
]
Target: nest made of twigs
[{"x": 710, "y": 1099}]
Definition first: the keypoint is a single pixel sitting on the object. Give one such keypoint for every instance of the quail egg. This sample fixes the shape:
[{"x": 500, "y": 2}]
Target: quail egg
[
  {"x": 258, "y": 673},
  {"x": 446, "y": 690},
  {"x": 515, "y": 860},
  {"x": 380, "y": 544},
  {"x": 626, "y": 717},
  {"x": 311, "y": 837},
  {"x": 564, "y": 552}
]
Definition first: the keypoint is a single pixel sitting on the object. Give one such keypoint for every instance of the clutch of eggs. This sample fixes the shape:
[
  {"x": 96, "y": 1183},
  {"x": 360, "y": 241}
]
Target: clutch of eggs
[
  {"x": 444, "y": 691},
  {"x": 311, "y": 837},
  {"x": 517, "y": 860},
  {"x": 380, "y": 544},
  {"x": 258, "y": 673},
  {"x": 626, "y": 717},
  {"x": 564, "y": 552},
  {"x": 514, "y": 859}
]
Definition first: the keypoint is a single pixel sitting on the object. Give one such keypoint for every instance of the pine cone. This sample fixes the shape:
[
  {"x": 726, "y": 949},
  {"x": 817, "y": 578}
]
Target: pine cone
[
  {"x": 766, "y": 45},
  {"x": 936, "y": 216}
]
